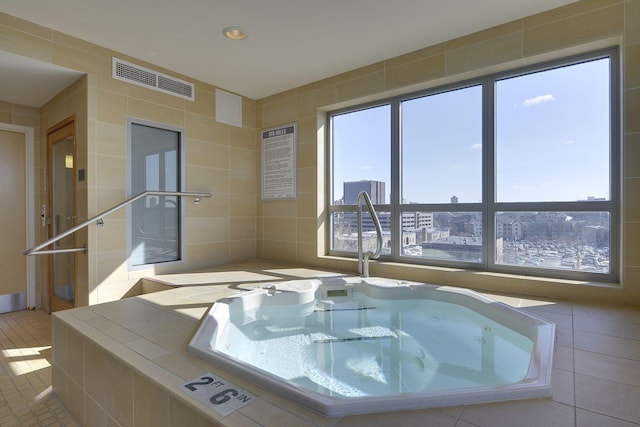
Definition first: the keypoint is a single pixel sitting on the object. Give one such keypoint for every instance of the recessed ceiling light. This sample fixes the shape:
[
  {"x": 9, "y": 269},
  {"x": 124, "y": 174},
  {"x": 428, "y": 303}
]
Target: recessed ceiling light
[{"x": 234, "y": 33}]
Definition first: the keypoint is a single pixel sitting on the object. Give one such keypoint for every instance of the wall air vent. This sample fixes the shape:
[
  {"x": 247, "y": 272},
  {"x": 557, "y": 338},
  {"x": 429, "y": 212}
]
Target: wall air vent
[{"x": 137, "y": 75}]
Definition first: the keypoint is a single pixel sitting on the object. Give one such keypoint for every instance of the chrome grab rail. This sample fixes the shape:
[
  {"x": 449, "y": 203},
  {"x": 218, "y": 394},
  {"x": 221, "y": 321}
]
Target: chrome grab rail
[
  {"x": 36, "y": 250},
  {"x": 363, "y": 257}
]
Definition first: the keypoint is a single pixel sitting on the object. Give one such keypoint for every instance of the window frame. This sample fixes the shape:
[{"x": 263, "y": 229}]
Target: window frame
[
  {"x": 489, "y": 206},
  {"x": 180, "y": 188}
]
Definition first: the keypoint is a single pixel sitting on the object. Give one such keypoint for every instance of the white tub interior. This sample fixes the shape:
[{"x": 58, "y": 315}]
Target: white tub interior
[{"x": 352, "y": 346}]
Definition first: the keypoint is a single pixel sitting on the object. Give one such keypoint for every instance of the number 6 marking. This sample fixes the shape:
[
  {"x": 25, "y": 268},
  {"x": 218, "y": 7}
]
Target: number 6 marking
[{"x": 223, "y": 396}]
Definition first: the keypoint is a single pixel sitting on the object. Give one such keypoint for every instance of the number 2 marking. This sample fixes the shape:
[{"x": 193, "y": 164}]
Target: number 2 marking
[{"x": 205, "y": 381}]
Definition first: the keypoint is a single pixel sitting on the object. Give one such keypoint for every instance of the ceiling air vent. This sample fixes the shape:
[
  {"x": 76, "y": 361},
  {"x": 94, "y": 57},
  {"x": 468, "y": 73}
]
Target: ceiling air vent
[{"x": 137, "y": 75}]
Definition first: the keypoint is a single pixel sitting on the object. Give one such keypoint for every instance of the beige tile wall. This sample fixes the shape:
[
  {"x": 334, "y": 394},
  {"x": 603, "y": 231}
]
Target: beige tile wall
[
  {"x": 219, "y": 158},
  {"x": 236, "y": 224},
  {"x": 21, "y": 115},
  {"x": 578, "y": 27}
]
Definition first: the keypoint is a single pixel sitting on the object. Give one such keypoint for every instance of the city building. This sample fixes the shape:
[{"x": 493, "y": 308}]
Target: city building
[
  {"x": 417, "y": 220},
  {"x": 375, "y": 189}
]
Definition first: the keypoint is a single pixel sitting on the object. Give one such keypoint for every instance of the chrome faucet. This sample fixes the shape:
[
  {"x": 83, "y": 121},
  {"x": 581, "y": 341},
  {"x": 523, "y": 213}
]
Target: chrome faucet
[{"x": 363, "y": 257}]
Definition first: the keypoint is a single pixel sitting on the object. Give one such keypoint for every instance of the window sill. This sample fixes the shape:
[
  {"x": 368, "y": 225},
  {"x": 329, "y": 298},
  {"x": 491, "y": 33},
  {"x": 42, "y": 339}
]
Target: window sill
[{"x": 505, "y": 283}]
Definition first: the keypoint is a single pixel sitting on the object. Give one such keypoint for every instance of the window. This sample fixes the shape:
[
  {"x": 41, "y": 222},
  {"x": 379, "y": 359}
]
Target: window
[
  {"x": 442, "y": 144},
  {"x": 155, "y": 227},
  {"x": 515, "y": 172},
  {"x": 362, "y": 159}
]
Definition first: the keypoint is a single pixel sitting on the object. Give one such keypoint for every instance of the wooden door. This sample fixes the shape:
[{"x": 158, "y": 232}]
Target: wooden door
[{"x": 13, "y": 225}]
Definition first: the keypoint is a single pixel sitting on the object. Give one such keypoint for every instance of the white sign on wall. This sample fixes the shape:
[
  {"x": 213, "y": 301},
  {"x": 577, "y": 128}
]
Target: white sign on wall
[{"x": 279, "y": 162}]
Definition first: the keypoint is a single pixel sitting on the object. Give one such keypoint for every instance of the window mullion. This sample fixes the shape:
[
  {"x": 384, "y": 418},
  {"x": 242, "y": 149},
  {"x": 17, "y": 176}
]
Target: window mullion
[
  {"x": 396, "y": 189},
  {"x": 488, "y": 174}
]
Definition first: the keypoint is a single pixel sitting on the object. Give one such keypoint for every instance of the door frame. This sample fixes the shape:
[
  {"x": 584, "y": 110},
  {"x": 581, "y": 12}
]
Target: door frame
[{"x": 30, "y": 182}]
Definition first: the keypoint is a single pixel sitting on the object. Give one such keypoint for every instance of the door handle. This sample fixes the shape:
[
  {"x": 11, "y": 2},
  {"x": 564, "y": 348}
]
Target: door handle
[{"x": 43, "y": 215}]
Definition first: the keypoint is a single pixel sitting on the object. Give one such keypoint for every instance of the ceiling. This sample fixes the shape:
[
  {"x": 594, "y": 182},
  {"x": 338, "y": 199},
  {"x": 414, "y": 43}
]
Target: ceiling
[
  {"x": 30, "y": 82},
  {"x": 290, "y": 42}
]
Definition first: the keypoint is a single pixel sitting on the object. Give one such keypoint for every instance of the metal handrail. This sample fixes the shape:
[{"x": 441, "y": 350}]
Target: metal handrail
[
  {"x": 363, "y": 257},
  {"x": 36, "y": 250}
]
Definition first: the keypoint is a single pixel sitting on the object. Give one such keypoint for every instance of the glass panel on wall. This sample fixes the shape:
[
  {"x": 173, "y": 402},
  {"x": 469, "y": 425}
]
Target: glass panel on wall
[
  {"x": 345, "y": 232},
  {"x": 155, "y": 220},
  {"x": 442, "y": 147},
  {"x": 63, "y": 217},
  {"x": 447, "y": 236},
  {"x": 553, "y": 134},
  {"x": 362, "y": 155},
  {"x": 577, "y": 241}
]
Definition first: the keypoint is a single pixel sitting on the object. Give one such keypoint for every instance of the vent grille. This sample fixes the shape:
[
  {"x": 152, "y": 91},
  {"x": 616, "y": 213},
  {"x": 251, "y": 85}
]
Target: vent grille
[
  {"x": 176, "y": 86},
  {"x": 135, "y": 74}
]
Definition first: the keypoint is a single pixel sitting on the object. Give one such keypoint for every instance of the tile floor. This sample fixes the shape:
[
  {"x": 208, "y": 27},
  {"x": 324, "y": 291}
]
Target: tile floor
[
  {"x": 597, "y": 370},
  {"x": 26, "y": 398},
  {"x": 597, "y": 376}
]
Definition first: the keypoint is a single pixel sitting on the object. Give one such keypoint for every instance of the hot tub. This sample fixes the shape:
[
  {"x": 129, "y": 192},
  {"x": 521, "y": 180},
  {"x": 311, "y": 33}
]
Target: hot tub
[{"x": 344, "y": 346}]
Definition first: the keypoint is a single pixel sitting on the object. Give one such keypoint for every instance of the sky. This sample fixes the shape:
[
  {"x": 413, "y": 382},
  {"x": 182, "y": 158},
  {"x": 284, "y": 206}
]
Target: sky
[{"x": 552, "y": 140}]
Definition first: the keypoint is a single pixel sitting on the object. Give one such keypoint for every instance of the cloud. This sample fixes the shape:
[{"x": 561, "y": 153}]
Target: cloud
[
  {"x": 537, "y": 100},
  {"x": 476, "y": 146}
]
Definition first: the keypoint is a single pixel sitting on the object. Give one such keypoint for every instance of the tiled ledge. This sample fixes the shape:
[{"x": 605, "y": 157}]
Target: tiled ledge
[{"x": 126, "y": 361}]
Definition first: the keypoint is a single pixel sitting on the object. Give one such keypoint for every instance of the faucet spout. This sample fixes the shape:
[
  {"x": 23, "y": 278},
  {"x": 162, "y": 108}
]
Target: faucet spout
[{"x": 363, "y": 256}]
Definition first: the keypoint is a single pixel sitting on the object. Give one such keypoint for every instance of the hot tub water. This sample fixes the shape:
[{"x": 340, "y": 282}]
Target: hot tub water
[
  {"x": 380, "y": 347},
  {"x": 367, "y": 345}
]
